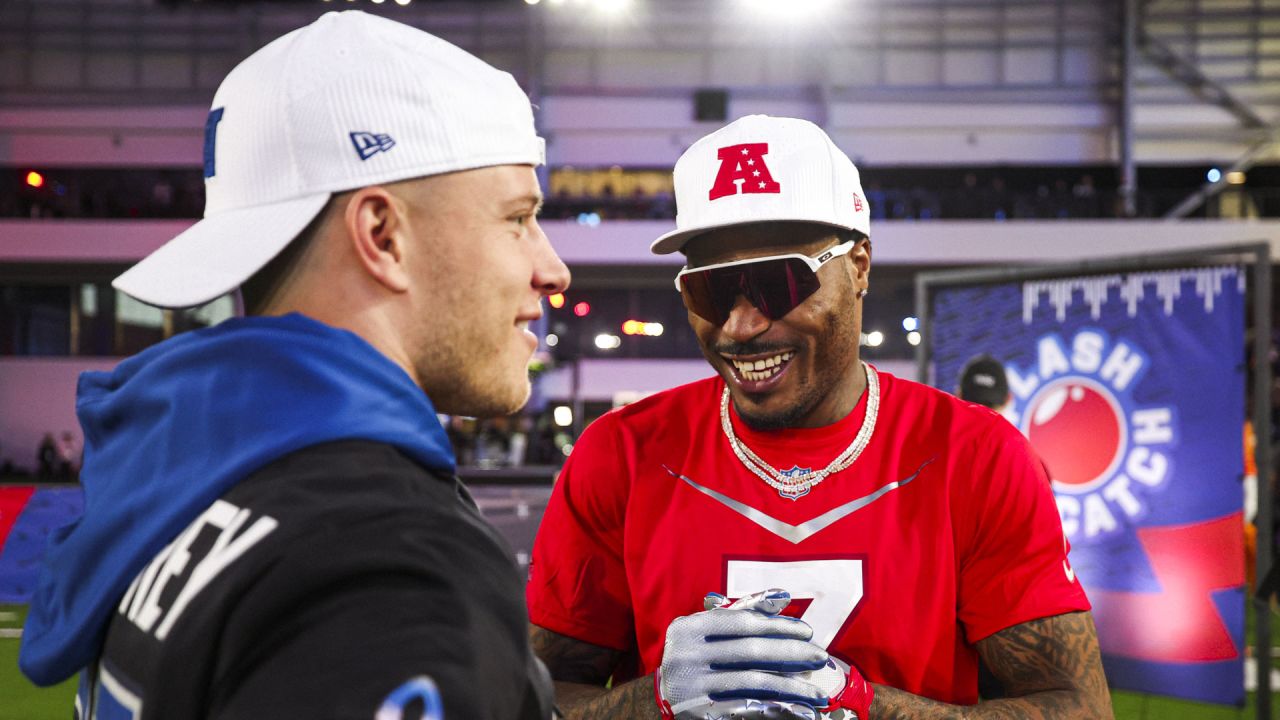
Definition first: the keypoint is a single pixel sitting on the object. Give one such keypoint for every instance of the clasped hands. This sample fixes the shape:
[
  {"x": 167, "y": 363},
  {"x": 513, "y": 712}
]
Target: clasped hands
[{"x": 747, "y": 661}]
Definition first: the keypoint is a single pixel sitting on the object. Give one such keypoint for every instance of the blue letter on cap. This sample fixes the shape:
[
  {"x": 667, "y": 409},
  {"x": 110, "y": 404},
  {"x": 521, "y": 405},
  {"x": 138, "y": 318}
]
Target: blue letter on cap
[{"x": 211, "y": 139}]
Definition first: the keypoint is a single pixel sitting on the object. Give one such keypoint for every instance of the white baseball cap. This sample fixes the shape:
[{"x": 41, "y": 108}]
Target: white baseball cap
[
  {"x": 764, "y": 169},
  {"x": 348, "y": 101}
]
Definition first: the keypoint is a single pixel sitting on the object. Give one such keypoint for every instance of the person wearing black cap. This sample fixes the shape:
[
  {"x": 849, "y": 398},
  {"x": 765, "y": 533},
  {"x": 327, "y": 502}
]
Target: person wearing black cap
[{"x": 983, "y": 381}]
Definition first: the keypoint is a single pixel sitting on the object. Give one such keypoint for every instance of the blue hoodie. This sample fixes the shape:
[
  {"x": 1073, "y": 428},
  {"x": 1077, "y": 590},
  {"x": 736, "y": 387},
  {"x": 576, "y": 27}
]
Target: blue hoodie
[{"x": 176, "y": 426}]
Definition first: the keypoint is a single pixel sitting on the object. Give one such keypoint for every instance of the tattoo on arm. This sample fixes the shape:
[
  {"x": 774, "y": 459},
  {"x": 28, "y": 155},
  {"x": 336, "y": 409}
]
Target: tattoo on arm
[
  {"x": 581, "y": 672},
  {"x": 571, "y": 660},
  {"x": 1051, "y": 670}
]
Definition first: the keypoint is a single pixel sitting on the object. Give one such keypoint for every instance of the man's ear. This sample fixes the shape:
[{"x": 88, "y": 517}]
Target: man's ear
[
  {"x": 860, "y": 261},
  {"x": 376, "y": 224}
]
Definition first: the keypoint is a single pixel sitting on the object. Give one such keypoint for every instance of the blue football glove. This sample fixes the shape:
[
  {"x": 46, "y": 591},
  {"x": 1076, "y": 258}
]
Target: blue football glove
[{"x": 740, "y": 660}]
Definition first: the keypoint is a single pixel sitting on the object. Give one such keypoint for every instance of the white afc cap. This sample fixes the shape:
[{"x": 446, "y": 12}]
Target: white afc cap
[{"x": 764, "y": 169}]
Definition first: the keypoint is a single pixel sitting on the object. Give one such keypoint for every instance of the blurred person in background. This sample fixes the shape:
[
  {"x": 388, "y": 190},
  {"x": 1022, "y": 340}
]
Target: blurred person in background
[
  {"x": 983, "y": 381},
  {"x": 273, "y": 526},
  {"x": 917, "y": 532},
  {"x": 46, "y": 458},
  {"x": 68, "y": 457}
]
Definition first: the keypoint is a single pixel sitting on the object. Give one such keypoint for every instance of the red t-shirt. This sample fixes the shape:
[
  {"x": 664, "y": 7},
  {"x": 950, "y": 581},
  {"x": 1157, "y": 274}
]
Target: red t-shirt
[{"x": 956, "y": 535}]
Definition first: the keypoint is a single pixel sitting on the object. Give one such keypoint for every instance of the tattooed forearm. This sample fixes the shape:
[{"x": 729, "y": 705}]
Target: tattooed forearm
[
  {"x": 581, "y": 672},
  {"x": 630, "y": 701},
  {"x": 893, "y": 704},
  {"x": 571, "y": 660},
  {"x": 1055, "y": 653},
  {"x": 1051, "y": 670}
]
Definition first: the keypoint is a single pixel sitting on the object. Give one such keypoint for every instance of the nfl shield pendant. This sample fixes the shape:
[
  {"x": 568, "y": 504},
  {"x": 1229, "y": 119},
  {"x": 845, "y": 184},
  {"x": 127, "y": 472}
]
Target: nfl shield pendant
[{"x": 797, "y": 491}]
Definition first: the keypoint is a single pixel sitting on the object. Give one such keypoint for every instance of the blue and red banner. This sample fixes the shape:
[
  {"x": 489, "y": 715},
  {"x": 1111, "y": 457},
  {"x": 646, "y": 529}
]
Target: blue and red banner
[
  {"x": 1131, "y": 387},
  {"x": 27, "y": 516}
]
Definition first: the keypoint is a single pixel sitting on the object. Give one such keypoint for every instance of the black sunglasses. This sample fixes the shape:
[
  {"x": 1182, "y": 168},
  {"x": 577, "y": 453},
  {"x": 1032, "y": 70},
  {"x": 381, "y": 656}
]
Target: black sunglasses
[{"x": 775, "y": 284}]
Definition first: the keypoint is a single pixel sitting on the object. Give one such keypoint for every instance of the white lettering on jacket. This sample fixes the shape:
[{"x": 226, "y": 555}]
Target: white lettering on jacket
[{"x": 141, "y": 602}]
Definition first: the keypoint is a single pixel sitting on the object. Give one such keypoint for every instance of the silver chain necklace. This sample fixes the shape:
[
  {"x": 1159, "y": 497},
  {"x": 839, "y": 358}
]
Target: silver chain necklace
[{"x": 795, "y": 483}]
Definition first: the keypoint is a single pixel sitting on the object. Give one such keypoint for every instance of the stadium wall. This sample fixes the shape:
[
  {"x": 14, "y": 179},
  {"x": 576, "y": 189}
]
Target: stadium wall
[
  {"x": 623, "y": 243},
  {"x": 652, "y": 131}
]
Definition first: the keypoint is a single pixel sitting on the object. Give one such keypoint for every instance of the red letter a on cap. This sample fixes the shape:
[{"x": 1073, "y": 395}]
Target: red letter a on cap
[{"x": 743, "y": 163}]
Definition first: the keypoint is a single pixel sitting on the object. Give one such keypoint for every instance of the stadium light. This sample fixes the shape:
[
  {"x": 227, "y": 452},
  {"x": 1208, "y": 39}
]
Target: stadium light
[
  {"x": 1235, "y": 177},
  {"x": 556, "y": 300},
  {"x": 910, "y": 323},
  {"x": 563, "y": 415},
  {"x": 788, "y": 10},
  {"x": 1214, "y": 175},
  {"x": 35, "y": 179},
  {"x": 611, "y": 7},
  {"x": 639, "y": 327},
  {"x": 913, "y": 337},
  {"x": 582, "y": 309},
  {"x": 552, "y": 340},
  {"x": 875, "y": 338},
  {"x": 605, "y": 341},
  {"x": 532, "y": 2}
]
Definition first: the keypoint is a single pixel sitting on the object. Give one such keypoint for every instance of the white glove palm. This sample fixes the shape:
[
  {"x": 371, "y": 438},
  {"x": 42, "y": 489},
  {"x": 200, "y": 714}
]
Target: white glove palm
[{"x": 741, "y": 658}]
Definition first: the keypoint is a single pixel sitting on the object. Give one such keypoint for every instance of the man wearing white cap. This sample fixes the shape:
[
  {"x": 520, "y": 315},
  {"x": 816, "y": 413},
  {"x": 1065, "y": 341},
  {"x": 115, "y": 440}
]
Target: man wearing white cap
[
  {"x": 272, "y": 526},
  {"x": 864, "y": 539}
]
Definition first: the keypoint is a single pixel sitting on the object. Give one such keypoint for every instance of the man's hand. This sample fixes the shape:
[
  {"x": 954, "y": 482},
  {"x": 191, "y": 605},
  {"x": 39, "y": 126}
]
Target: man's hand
[{"x": 741, "y": 658}]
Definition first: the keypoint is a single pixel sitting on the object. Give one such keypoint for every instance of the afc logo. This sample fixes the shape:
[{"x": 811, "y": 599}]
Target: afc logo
[
  {"x": 1103, "y": 453},
  {"x": 743, "y": 165}
]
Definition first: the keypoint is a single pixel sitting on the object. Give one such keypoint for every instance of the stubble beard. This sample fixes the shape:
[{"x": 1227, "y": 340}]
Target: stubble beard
[{"x": 470, "y": 372}]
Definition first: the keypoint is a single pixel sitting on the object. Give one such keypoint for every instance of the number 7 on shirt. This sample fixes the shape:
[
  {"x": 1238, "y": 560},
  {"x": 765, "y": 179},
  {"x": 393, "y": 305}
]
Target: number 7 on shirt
[{"x": 835, "y": 586}]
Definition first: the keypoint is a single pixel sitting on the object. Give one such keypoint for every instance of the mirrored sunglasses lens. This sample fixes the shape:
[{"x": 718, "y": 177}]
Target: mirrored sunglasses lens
[
  {"x": 778, "y": 286},
  {"x": 700, "y": 297}
]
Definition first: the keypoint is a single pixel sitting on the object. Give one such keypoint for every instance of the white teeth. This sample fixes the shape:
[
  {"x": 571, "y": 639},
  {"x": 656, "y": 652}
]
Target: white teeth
[{"x": 761, "y": 369}]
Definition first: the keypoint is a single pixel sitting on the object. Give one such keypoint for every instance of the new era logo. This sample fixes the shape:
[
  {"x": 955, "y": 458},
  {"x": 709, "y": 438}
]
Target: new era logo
[{"x": 369, "y": 144}]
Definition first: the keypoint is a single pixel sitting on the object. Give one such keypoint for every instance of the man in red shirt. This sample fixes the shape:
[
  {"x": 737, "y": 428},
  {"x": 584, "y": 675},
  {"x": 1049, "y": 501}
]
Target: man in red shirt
[{"x": 913, "y": 533}]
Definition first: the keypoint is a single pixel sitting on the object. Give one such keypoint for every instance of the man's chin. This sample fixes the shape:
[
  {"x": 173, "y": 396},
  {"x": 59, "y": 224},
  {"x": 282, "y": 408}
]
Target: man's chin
[
  {"x": 766, "y": 413},
  {"x": 511, "y": 398},
  {"x": 493, "y": 400}
]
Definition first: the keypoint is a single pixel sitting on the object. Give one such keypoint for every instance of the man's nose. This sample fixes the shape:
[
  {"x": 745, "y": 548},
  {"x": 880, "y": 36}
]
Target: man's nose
[
  {"x": 745, "y": 321},
  {"x": 550, "y": 274}
]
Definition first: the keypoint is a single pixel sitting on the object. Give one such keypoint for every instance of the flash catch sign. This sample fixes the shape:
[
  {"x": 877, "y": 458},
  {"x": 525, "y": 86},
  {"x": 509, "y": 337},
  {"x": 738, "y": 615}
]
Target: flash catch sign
[{"x": 1131, "y": 389}]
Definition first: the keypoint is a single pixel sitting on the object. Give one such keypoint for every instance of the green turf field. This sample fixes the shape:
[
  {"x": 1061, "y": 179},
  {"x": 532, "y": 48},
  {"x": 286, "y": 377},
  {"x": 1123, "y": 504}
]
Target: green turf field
[{"x": 20, "y": 700}]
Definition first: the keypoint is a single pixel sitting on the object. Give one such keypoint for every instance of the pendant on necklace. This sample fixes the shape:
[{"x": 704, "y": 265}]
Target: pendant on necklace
[{"x": 795, "y": 492}]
